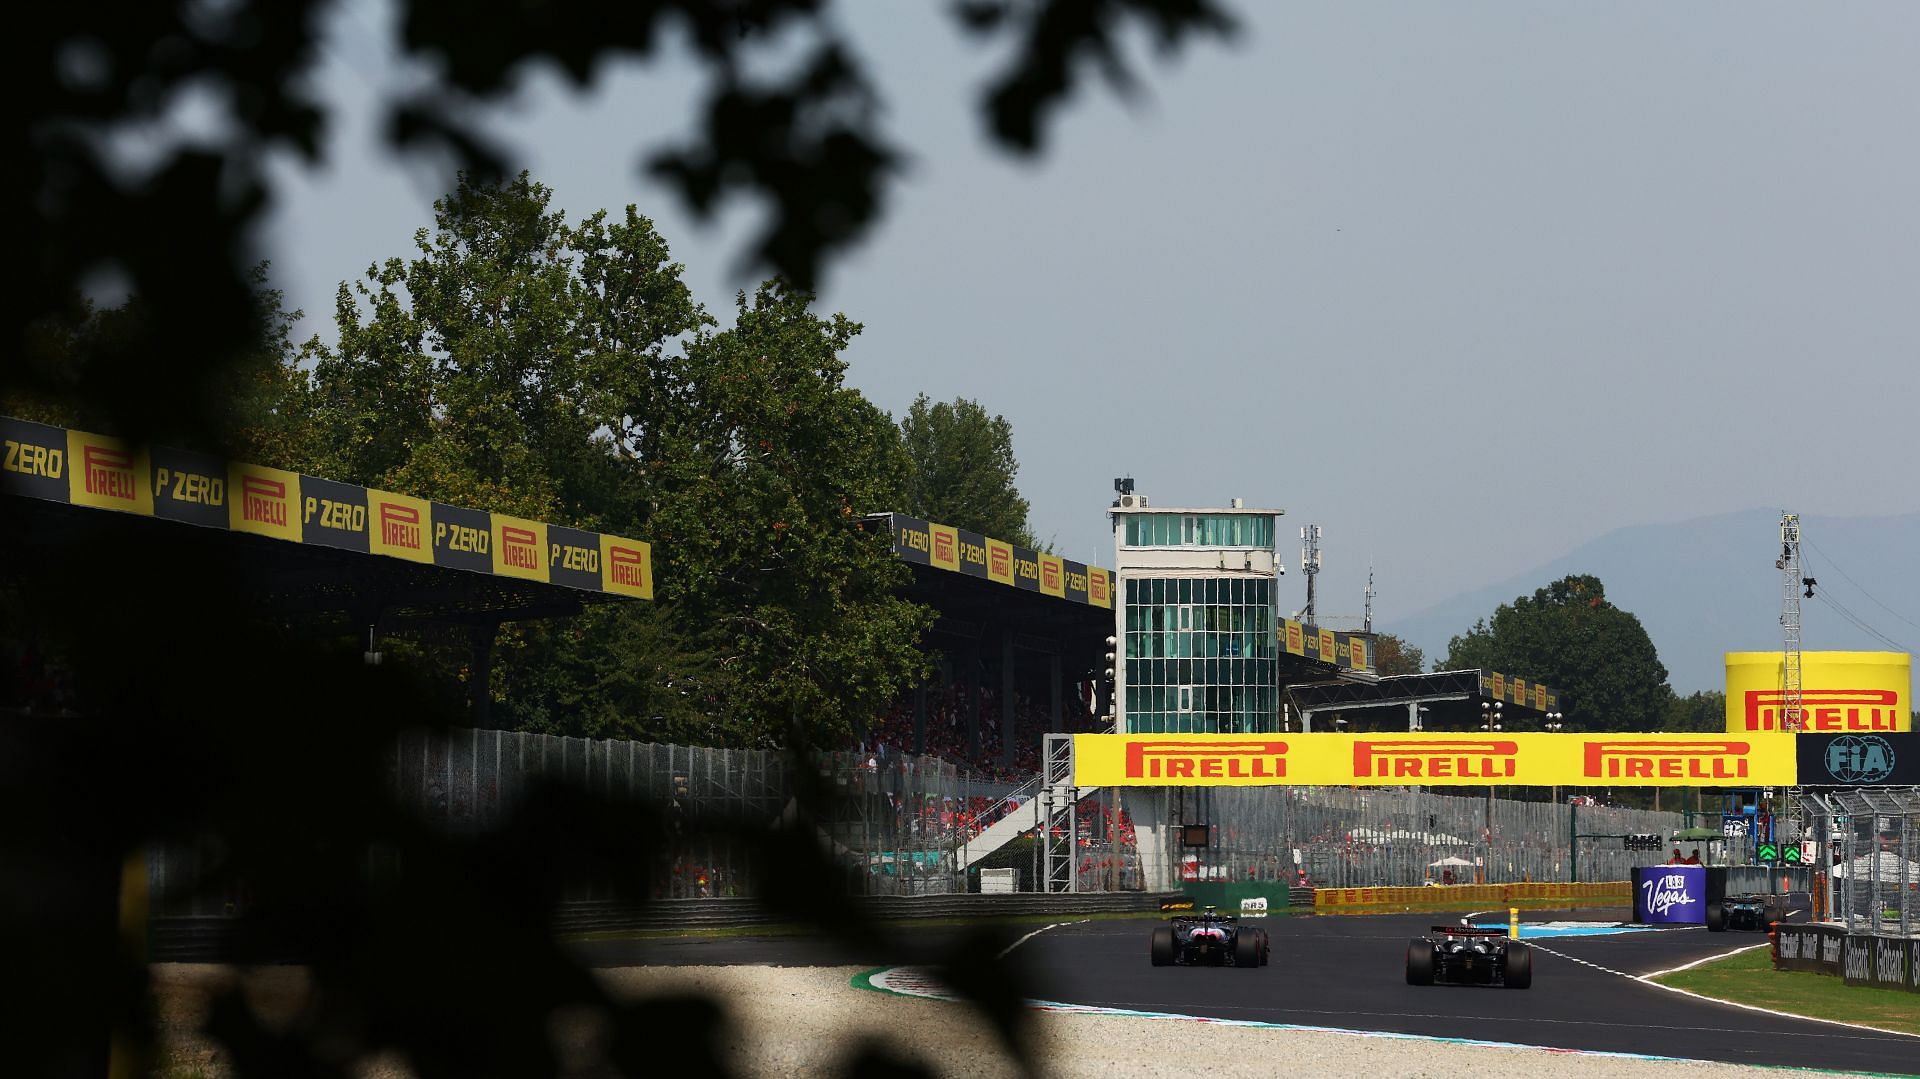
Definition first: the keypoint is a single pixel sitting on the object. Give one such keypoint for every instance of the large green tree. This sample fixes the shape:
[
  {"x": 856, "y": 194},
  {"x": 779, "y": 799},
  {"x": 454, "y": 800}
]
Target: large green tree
[
  {"x": 252, "y": 403},
  {"x": 1394, "y": 656},
  {"x": 498, "y": 367},
  {"x": 1705, "y": 711},
  {"x": 1570, "y": 637},
  {"x": 963, "y": 469},
  {"x": 524, "y": 365},
  {"x": 762, "y": 465}
]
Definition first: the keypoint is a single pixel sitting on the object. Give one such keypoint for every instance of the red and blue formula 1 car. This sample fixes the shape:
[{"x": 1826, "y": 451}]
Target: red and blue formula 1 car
[
  {"x": 1457, "y": 955},
  {"x": 1209, "y": 939}
]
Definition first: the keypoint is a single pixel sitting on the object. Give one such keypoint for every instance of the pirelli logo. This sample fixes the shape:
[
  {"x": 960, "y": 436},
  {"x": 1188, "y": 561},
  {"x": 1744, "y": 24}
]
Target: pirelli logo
[
  {"x": 626, "y": 566},
  {"x": 1000, "y": 562},
  {"x": 263, "y": 501},
  {"x": 108, "y": 473},
  {"x": 1468, "y": 758},
  {"x": 400, "y": 526},
  {"x": 1826, "y": 711},
  {"x": 1704, "y": 760},
  {"x": 945, "y": 547},
  {"x": 519, "y": 548},
  {"x": 1253, "y": 759}
]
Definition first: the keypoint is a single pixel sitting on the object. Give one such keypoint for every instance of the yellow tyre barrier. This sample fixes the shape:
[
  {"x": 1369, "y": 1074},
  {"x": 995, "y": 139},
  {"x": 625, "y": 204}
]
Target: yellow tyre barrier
[{"x": 1356, "y": 900}]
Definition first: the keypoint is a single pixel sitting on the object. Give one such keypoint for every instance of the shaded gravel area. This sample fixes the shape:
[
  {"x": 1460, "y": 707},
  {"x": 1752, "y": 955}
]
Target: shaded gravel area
[{"x": 808, "y": 1020}]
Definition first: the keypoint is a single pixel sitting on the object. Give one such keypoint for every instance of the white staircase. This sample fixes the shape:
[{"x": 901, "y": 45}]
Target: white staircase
[{"x": 1016, "y": 823}]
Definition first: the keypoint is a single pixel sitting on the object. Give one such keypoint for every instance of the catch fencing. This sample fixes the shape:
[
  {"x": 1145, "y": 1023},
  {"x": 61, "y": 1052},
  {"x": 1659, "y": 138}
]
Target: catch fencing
[
  {"x": 1344, "y": 838},
  {"x": 891, "y": 820},
  {"x": 1866, "y": 845},
  {"x": 894, "y": 822}
]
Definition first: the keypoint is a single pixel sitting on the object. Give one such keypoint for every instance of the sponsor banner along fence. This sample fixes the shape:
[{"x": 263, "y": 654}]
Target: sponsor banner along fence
[
  {"x": 1599, "y": 894},
  {"x": 928, "y": 543},
  {"x": 1876, "y": 962},
  {"x": 1841, "y": 692},
  {"x": 85, "y": 469},
  {"x": 1431, "y": 759}
]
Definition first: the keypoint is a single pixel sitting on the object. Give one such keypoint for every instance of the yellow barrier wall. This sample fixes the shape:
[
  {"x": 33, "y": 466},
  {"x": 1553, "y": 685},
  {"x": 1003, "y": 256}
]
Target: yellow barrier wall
[{"x": 1614, "y": 893}]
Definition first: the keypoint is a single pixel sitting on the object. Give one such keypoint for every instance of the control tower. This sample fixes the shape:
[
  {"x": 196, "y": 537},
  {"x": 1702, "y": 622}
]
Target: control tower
[{"x": 1194, "y": 617}]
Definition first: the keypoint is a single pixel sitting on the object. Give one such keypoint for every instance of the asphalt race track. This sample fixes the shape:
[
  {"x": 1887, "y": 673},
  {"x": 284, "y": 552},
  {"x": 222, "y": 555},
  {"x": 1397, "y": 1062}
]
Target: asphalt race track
[{"x": 1349, "y": 972}]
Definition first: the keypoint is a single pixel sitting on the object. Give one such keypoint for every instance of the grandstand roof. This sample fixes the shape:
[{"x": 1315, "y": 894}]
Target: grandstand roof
[
  {"x": 1435, "y": 685},
  {"x": 997, "y": 563},
  {"x": 308, "y": 546}
]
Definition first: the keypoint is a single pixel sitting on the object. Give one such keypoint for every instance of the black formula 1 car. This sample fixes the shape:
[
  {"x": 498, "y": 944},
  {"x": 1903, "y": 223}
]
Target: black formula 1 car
[
  {"x": 1752, "y": 911},
  {"x": 1209, "y": 939},
  {"x": 1455, "y": 955}
]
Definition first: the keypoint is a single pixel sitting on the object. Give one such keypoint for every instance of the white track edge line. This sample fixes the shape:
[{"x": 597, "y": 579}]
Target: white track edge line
[
  {"x": 1644, "y": 979},
  {"x": 1704, "y": 959},
  {"x": 1008, "y": 950}
]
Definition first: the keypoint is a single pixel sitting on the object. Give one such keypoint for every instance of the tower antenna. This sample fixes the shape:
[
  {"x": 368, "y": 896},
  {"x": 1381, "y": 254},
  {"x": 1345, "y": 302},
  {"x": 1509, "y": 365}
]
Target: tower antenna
[
  {"x": 1309, "y": 563},
  {"x": 1791, "y": 584}
]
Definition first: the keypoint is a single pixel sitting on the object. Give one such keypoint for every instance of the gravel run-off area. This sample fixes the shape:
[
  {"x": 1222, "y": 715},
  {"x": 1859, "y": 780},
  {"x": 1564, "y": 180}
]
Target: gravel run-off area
[{"x": 807, "y": 1020}]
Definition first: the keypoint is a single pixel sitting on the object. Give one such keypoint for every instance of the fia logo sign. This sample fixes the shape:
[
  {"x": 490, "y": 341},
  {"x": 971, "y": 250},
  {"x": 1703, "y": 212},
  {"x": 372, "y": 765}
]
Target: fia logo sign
[{"x": 1856, "y": 759}]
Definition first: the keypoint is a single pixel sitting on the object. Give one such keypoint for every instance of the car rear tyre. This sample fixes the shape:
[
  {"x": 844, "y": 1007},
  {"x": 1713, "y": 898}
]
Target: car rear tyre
[
  {"x": 1266, "y": 947},
  {"x": 1420, "y": 963},
  {"x": 1716, "y": 918},
  {"x": 1163, "y": 946},
  {"x": 1519, "y": 966},
  {"x": 1246, "y": 948}
]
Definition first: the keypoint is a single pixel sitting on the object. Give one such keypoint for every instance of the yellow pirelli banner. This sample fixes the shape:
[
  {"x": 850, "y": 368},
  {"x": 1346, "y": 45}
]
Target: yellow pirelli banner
[
  {"x": 1840, "y": 692},
  {"x": 1431, "y": 759}
]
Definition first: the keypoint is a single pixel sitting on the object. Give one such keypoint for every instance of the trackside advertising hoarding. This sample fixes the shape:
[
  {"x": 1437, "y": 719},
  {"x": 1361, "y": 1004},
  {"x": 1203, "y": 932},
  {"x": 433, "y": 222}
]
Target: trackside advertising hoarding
[
  {"x": 81, "y": 468},
  {"x": 1431, "y": 759},
  {"x": 929, "y": 543},
  {"x": 1840, "y": 692},
  {"x": 1304, "y": 639}
]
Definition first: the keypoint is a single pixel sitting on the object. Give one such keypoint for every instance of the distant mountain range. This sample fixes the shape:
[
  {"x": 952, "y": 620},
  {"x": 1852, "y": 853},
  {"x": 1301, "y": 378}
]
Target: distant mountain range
[{"x": 1708, "y": 586}]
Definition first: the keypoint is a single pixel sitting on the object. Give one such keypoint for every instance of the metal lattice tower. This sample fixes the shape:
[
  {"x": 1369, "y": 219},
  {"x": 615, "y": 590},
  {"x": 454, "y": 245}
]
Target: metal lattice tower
[
  {"x": 1790, "y": 584},
  {"x": 1309, "y": 564},
  {"x": 1059, "y": 821}
]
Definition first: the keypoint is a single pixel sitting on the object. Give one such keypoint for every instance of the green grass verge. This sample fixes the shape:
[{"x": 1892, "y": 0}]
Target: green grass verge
[
  {"x": 1749, "y": 978},
  {"x": 899, "y": 923}
]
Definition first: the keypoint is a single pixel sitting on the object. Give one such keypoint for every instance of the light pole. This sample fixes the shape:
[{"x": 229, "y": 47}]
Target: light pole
[
  {"x": 1489, "y": 722},
  {"x": 1553, "y": 725}
]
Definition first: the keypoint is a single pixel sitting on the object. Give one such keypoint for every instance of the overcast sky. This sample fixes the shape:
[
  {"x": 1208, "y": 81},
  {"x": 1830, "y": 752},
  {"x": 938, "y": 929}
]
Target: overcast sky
[{"x": 1466, "y": 285}]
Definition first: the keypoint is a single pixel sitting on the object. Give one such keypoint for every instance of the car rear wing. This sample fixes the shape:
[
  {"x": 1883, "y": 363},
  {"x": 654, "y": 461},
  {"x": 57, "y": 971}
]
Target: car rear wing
[{"x": 1467, "y": 931}]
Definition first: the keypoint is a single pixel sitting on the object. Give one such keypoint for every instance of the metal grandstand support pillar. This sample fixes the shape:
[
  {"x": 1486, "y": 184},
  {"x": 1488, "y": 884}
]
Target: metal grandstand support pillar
[
  {"x": 1057, "y": 817},
  {"x": 920, "y": 718},
  {"x": 1008, "y": 731},
  {"x": 1053, "y": 692},
  {"x": 974, "y": 682},
  {"x": 480, "y": 672}
]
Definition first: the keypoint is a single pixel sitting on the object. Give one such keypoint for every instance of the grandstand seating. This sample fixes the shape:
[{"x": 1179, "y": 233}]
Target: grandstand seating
[{"x": 947, "y": 731}]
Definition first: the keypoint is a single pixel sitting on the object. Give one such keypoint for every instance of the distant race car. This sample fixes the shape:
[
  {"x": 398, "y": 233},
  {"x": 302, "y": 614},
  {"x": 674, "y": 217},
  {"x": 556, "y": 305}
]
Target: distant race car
[
  {"x": 1455, "y": 955},
  {"x": 1752, "y": 911},
  {"x": 1209, "y": 939}
]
